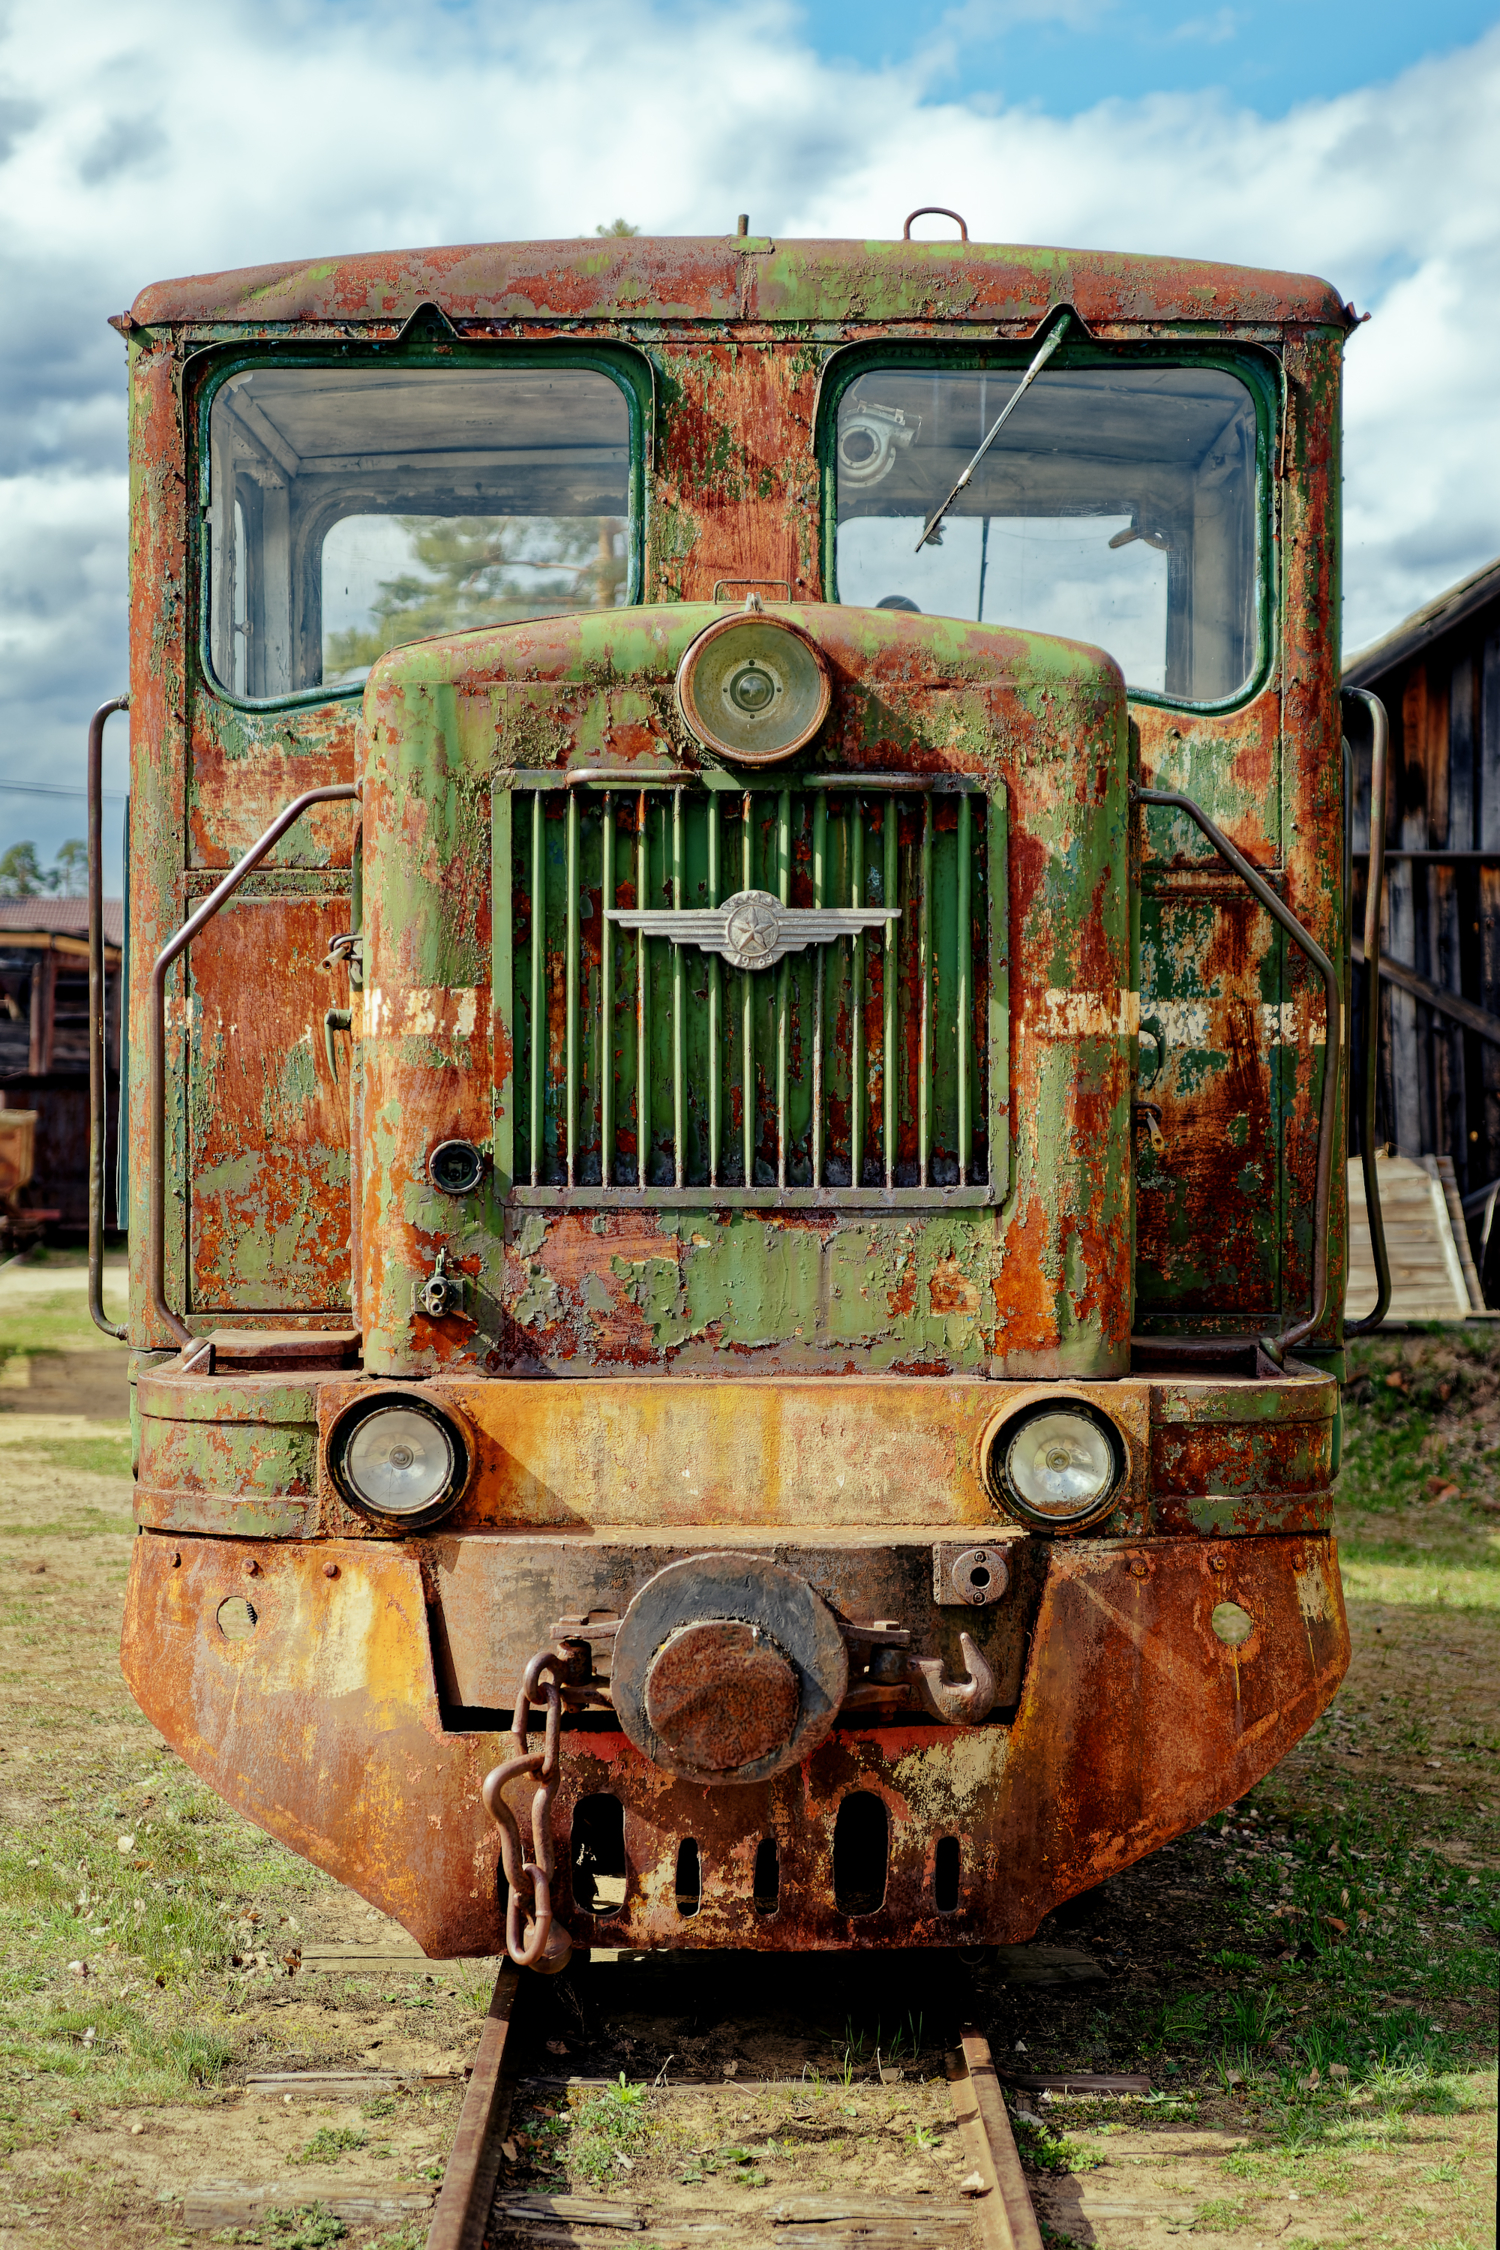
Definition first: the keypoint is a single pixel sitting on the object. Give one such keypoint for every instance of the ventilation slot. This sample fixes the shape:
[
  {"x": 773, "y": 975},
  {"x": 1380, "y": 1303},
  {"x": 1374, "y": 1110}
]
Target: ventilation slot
[
  {"x": 861, "y": 1846},
  {"x": 599, "y": 1855},
  {"x": 856, "y": 1068},
  {"x": 689, "y": 1884},
  {"x": 945, "y": 1870},
  {"x": 767, "y": 1882}
]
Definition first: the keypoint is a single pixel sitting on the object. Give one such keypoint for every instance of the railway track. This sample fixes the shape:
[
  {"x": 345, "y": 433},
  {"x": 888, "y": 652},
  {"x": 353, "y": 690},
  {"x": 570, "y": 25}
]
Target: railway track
[{"x": 477, "y": 2210}]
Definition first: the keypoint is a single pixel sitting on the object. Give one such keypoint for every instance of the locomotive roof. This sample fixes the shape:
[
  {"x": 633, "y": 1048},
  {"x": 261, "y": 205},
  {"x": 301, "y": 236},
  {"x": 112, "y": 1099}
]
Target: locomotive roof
[{"x": 718, "y": 278}]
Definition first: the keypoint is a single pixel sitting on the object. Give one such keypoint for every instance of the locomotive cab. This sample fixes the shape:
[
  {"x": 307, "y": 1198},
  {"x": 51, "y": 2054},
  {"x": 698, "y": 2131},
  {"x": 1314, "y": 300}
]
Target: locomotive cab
[{"x": 738, "y": 906}]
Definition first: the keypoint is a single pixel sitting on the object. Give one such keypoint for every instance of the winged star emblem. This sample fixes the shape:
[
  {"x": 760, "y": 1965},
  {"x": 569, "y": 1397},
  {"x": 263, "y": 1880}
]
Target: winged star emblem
[{"x": 753, "y": 930}]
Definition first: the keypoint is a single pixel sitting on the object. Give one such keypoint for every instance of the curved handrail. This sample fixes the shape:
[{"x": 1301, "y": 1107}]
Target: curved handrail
[
  {"x": 98, "y": 1122},
  {"x": 1374, "y": 886},
  {"x": 156, "y": 1284},
  {"x": 1333, "y": 1046}
]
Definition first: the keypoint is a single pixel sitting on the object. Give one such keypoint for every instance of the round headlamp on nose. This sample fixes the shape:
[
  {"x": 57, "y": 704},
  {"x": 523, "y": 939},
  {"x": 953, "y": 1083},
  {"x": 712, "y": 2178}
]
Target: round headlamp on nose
[
  {"x": 753, "y": 689},
  {"x": 399, "y": 1458},
  {"x": 1057, "y": 1468}
]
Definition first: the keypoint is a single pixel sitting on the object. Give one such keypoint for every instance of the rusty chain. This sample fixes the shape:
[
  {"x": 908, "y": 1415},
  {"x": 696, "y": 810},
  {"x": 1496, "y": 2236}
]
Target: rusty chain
[{"x": 545, "y": 1944}]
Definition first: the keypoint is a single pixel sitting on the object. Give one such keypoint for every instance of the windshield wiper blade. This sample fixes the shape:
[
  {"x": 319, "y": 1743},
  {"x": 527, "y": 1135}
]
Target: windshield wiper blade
[{"x": 1006, "y": 411}]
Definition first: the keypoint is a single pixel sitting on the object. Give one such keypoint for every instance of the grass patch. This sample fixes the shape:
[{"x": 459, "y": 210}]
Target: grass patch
[
  {"x": 329, "y": 2143},
  {"x": 311, "y": 2226},
  {"x": 610, "y": 2125},
  {"x": 1221, "y": 2217},
  {"x": 105, "y": 1456},
  {"x": 121, "y": 1968},
  {"x": 82, "y": 1523},
  {"x": 1051, "y": 2150},
  {"x": 58, "y": 1323}
]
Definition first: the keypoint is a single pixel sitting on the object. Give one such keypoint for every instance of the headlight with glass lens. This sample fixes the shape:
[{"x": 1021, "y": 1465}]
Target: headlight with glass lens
[
  {"x": 753, "y": 688},
  {"x": 1056, "y": 1467},
  {"x": 399, "y": 1458}
]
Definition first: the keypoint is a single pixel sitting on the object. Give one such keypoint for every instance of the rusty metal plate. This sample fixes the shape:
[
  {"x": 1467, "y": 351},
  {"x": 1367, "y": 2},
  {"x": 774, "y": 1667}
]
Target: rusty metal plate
[
  {"x": 1135, "y": 1721},
  {"x": 269, "y": 1126}
]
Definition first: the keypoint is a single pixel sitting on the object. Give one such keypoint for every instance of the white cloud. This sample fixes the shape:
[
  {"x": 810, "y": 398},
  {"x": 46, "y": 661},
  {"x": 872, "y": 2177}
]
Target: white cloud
[{"x": 179, "y": 140}]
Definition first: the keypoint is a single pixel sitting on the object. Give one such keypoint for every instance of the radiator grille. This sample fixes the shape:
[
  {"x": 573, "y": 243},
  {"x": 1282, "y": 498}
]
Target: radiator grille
[{"x": 868, "y": 1069}]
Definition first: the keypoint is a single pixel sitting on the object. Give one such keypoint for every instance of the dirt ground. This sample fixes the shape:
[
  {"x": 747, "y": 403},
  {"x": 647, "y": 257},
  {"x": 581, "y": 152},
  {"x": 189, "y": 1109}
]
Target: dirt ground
[{"x": 1308, "y": 1982}]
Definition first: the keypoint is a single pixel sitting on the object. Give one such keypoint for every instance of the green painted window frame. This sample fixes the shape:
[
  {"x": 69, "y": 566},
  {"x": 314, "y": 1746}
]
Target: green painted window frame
[
  {"x": 629, "y": 370},
  {"x": 1257, "y": 368}
]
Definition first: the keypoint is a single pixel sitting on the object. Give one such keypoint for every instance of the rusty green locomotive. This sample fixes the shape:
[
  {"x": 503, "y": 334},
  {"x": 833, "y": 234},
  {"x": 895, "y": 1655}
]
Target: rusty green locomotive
[{"x": 738, "y": 944}]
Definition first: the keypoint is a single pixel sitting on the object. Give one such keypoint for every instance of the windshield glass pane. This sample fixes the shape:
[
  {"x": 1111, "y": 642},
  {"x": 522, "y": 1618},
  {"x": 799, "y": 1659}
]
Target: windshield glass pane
[
  {"x": 357, "y": 508},
  {"x": 1116, "y": 506}
]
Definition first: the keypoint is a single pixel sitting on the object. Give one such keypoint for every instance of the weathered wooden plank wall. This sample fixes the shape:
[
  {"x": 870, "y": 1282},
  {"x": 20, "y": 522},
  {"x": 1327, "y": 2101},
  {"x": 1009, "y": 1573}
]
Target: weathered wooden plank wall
[{"x": 1438, "y": 675}]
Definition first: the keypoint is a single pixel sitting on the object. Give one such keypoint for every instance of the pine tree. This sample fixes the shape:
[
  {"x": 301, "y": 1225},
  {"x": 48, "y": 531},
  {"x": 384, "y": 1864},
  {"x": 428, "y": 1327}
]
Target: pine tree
[{"x": 484, "y": 570}]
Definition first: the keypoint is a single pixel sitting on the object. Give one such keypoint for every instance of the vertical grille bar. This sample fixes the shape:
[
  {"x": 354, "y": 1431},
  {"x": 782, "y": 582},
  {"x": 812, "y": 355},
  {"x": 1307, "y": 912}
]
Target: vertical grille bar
[
  {"x": 890, "y": 1066},
  {"x": 538, "y": 984},
  {"x": 997, "y": 886},
  {"x": 642, "y": 1005},
  {"x": 857, "y": 997},
  {"x": 607, "y": 993},
  {"x": 820, "y": 981},
  {"x": 503, "y": 999},
  {"x": 924, "y": 1027},
  {"x": 747, "y": 1001},
  {"x": 679, "y": 1029},
  {"x": 570, "y": 970},
  {"x": 964, "y": 987},
  {"x": 783, "y": 981},
  {"x": 715, "y": 1026}
]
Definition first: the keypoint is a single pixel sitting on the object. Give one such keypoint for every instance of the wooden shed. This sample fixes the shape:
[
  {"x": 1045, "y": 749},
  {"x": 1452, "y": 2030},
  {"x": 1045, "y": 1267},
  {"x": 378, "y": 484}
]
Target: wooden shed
[
  {"x": 1438, "y": 675},
  {"x": 44, "y": 1053}
]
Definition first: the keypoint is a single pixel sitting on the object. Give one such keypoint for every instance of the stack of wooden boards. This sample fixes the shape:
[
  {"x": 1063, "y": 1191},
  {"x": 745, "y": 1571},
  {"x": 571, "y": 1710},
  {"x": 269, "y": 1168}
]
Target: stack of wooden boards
[{"x": 1432, "y": 1267}]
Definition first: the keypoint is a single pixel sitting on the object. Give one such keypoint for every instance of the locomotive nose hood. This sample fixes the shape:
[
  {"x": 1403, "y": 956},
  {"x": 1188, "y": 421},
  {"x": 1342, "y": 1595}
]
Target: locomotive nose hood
[{"x": 775, "y": 970}]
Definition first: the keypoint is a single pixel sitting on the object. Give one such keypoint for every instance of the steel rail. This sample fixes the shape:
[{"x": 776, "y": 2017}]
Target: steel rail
[
  {"x": 156, "y": 1281},
  {"x": 1306, "y": 943},
  {"x": 1003, "y": 2207},
  {"x": 461, "y": 2214},
  {"x": 1374, "y": 889},
  {"x": 98, "y": 1120}
]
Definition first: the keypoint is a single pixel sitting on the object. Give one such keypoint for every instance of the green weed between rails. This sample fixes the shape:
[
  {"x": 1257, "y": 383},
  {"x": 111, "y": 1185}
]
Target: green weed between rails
[
  {"x": 1047, "y": 2148},
  {"x": 121, "y": 1971},
  {"x": 608, "y": 2132},
  {"x": 330, "y": 2142},
  {"x": 890, "y": 2045},
  {"x": 311, "y": 2226}
]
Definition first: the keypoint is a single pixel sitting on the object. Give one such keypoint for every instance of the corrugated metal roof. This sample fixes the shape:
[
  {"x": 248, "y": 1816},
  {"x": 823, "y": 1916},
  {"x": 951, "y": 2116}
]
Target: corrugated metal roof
[
  {"x": 67, "y": 917},
  {"x": 1424, "y": 626}
]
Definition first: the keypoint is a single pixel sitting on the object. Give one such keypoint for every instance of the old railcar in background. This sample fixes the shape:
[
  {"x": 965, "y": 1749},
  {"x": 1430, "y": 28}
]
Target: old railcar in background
[
  {"x": 738, "y": 912},
  {"x": 1438, "y": 1080},
  {"x": 44, "y": 1057}
]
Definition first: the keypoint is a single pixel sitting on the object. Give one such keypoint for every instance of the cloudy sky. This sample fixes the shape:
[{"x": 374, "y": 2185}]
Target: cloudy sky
[{"x": 1352, "y": 138}]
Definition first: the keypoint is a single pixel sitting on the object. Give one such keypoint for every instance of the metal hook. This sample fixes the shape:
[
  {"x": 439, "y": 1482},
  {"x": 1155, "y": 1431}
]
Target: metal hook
[{"x": 958, "y": 1703}]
